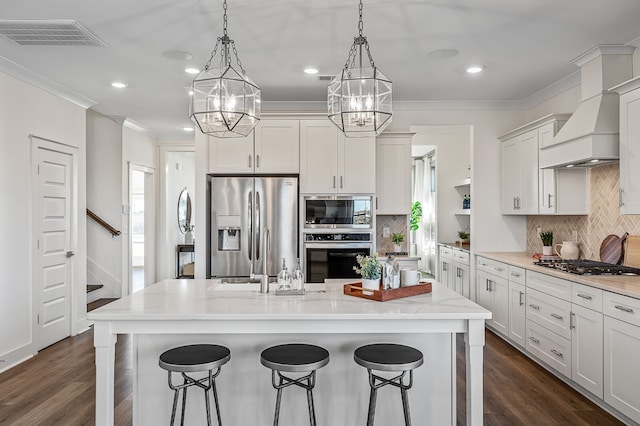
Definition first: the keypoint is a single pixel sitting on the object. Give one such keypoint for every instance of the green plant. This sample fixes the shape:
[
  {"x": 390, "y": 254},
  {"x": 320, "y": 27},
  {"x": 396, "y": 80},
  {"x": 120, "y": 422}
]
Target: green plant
[
  {"x": 370, "y": 267},
  {"x": 464, "y": 235},
  {"x": 547, "y": 238},
  {"x": 416, "y": 214},
  {"x": 397, "y": 238}
]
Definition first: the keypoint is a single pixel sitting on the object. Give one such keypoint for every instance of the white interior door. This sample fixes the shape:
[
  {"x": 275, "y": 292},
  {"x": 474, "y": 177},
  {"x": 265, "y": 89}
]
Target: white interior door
[{"x": 53, "y": 216}]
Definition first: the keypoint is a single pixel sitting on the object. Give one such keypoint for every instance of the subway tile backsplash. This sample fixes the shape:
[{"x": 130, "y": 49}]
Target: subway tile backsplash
[{"x": 604, "y": 217}]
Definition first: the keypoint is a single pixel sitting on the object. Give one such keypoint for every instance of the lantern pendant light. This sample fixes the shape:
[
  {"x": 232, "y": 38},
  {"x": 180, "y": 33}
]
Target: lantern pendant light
[
  {"x": 225, "y": 103},
  {"x": 359, "y": 98}
]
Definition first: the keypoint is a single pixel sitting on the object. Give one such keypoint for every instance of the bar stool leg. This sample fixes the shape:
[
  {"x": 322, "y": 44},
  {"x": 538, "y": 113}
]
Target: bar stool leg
[
  {"x": 184, "y": 402},
  {"x": 372, "y": 406},
  {"x": 215, "y": 399},
  {"x": 175, "y": 402},
  {"x": 276, "y": 416},
  {"x": 405, "y": 407},
  {"x": 312, "y": 412},
  {"x": 207, "y": 405}
]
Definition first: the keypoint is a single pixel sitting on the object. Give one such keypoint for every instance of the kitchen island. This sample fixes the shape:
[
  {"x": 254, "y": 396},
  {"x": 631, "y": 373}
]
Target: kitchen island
[{"x": 175, "y": 312}]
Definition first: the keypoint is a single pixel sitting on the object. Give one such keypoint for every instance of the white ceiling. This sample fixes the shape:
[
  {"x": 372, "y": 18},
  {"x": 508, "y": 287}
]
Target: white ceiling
[{"x": 526, "y": 45}]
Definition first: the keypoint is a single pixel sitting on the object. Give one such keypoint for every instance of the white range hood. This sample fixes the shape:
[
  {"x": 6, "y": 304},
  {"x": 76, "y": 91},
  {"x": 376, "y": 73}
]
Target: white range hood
[{"x": 590, "y": 136}]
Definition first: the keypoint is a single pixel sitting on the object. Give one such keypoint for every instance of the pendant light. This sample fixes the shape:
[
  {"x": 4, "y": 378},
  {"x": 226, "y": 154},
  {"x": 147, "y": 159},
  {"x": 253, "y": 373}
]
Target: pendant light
[
  {"x": 359, "y": 97},
  {"x": 225, "y": 103}
]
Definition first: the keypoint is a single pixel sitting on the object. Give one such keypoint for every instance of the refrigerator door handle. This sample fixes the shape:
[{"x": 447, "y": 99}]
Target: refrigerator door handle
[
  {"x": 250, "y": 211},
  {"x": 258, "y": 225}
]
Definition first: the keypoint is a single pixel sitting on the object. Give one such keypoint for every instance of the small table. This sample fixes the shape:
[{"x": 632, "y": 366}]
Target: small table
[{"x": 183, "y": 248}]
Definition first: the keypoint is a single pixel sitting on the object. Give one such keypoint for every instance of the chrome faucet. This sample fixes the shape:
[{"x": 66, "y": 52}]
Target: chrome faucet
[{"x": 264, "y": 278}]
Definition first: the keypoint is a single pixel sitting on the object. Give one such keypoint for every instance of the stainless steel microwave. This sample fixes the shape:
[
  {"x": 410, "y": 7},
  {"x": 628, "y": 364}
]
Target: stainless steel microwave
[{"x": 338, "y": 211}]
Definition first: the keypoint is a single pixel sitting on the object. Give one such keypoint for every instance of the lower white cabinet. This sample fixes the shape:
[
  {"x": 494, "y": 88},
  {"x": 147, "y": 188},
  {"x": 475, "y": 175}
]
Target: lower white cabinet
[
  {"x": 517, "y": 313},
  {"x": 454, "y": 270},
  {"x": 586, "y": 349},
  {"x": 445, "y": 266},
  {"x": 461, "y": 278},
  {"x": 492, "y": 293},
  {"x": 549, "y": 347}
]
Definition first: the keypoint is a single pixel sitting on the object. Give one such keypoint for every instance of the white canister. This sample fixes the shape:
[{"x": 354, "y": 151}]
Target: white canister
[{"x": 568, "y": 250}]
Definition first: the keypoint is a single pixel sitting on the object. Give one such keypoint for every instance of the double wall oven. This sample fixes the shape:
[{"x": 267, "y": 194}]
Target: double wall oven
[{"x": 336, "y": 230}]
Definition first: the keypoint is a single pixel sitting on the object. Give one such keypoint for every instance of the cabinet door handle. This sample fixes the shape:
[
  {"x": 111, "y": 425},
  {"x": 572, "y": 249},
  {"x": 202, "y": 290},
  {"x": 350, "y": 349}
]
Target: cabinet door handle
[
  {"x": 257, "y": 161},
  {"x": 445, "y": 266},
  {"x": 549, "y": 202},
  {"x": 498, "y": 269},
  {"x": 557, "y": 353},
  {"x": 515, "y": 206},
  {"x": 249, "y": 161},
  {"x": 534, "y": 340},
  {"x": 572, "y": 323},
  {"x": 520, "y": 301},
  {"x": 624, "y": 309},
  {"x": 515, "y": 274},
  {"x": 334, "y": 181},
  {"x": 490, "y": 282},
  {"x": 585, "y": 296},
  {"x": 556, "y": 316},
  {"x": 486, "y": 282},
  {"x": 341, "y": 186},
  {"x": 518, "y": 198},
  {"x": 536, "y": 307},
  {"x": 620, "y": 202}
]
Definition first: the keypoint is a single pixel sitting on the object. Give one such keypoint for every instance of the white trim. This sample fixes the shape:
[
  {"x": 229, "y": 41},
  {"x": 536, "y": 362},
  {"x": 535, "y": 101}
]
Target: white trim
[
  {"x": 24, "y": 74},
  {"x": 134, "y": 125},
  {"x": 602, "y": 49}
]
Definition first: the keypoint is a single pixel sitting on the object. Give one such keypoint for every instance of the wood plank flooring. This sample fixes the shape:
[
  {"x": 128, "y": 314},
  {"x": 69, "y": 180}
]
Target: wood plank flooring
[{"x": 57, "y": 387}]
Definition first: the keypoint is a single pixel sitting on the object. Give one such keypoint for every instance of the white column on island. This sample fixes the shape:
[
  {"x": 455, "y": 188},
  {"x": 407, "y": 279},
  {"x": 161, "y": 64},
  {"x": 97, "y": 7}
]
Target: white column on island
[
  {"x": 474, "y": 346},
  {"x": 104, "y": 341}
]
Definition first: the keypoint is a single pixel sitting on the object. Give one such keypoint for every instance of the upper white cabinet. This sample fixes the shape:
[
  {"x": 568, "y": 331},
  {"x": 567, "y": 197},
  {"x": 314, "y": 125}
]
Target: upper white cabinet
[
  {"x": 629, "y": 146},
  {"x": 331, "y": 163},
  {"x": 393, "y": 173},
  {"x": 272, "y": 147},
  {"x": 526, "y": 189}
]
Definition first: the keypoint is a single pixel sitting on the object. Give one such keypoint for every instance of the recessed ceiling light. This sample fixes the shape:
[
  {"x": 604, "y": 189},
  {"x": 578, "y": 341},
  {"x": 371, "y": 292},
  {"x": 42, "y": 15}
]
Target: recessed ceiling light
[
  {"x": 595, "y": 160},
  {"x": 474, "y": 69},
  {"x": 190, "y": 92},
  {"x": 178, "y": 55},
  {"x": 443, "y": 53},
  {"x": 187, "y": 129},
  {"x": 192, "y": 70},
  {"x": 569, "y": 165},
  {"x": 311, "y": 70},
  {"x": 119, "y": 85}
]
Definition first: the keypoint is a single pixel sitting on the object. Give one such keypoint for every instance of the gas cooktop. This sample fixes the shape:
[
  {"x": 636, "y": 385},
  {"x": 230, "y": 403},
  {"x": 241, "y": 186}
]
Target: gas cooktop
[{"x": 588, "y": 267}]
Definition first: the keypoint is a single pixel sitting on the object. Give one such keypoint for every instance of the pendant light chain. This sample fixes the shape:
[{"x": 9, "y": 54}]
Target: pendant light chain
[
  {"x": 360, "y": 24},
  {"x": 225, "y": 41}
]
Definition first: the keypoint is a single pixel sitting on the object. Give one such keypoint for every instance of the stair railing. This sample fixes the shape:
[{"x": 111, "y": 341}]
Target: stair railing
[{"x": 114, "y": 232}]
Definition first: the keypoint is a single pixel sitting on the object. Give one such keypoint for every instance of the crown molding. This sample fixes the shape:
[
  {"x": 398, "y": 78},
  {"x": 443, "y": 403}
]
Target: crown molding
[
  {"x": 602, "y": 49},
  {"x": 19, "y": 72}
]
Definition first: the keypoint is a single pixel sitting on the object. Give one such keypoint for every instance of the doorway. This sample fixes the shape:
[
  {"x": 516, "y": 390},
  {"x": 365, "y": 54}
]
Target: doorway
[
  {"x": 142, "y": 227},
  {"x": 54, "y": 222}
]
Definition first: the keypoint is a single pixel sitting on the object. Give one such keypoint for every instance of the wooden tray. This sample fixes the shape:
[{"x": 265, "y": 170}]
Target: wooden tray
[{"x": 355, "y": 289}]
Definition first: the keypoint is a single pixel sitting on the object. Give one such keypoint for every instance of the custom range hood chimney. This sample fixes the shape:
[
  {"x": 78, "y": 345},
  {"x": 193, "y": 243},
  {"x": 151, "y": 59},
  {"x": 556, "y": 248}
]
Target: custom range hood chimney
[{"x": 590, "y": 136}]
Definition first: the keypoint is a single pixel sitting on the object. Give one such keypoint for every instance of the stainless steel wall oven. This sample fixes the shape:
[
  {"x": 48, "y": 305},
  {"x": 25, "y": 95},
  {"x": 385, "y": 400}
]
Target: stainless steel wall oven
[{"x": 333, "y": 255}]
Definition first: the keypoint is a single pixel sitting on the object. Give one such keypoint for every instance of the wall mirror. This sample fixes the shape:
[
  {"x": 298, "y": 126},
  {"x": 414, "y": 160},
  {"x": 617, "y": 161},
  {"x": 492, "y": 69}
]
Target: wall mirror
[{"x": 184, "y": 211}]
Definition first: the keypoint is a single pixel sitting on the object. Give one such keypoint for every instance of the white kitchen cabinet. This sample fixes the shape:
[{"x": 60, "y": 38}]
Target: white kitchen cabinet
[
  {"x": 523, "y": 184},
  {"x": 492, "y": 293},
  {"x": 272, "y": 147},
  {"x": 331, "y": 163},
  {"x": 621, "y": 372},
  {"x": 461, "y": 279},
  {"x": 564, "y": 191},
  {"x": 393, "y": 173},
  {"x": 629, "y": 146},
  {"x": 445, "y": 266},
  {"x": 517, "y": 307},
  {"x": 587, "y": 349}
]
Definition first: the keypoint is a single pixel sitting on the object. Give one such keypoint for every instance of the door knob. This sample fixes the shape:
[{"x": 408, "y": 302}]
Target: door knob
[{"x": 70, "y": 254}]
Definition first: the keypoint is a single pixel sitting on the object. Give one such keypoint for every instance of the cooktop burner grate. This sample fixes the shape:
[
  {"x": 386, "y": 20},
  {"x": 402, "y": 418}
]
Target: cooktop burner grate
[{"x": 588, "y": 267}]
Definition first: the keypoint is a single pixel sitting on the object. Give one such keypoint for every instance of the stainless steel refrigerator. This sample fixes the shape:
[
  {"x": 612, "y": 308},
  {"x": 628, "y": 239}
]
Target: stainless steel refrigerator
[{"x": 243, "y": 210}]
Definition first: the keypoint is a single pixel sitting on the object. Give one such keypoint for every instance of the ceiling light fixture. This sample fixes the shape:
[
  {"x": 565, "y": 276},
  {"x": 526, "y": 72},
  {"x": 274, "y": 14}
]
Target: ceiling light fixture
[
  {"x": 225, "y": 102},
  {"x": 474, "y": 69},
  {"x": 311, "y": 70},
  {"x": 187, "y": 129},
  {"x": 359, "y": 98},
  {"x": 119, "y": 85},
  {"x": 192, "y": 70}
]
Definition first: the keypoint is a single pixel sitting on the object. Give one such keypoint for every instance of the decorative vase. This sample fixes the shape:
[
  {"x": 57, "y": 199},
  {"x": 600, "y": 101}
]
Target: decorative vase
[
  {"x": 397, "y": 248},
  {"x": 188, "y": 237},
  {"x": 371, "y": 285},
  {"x": 547, "y": 250}
]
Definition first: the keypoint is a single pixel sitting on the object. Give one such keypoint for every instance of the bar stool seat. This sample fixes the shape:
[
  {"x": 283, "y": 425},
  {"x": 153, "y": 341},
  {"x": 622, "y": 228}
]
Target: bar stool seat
[
  {"x": 389, "y": 357},
  {"x": 194, "y": 358},
  {"x": 294, "y": 358}
]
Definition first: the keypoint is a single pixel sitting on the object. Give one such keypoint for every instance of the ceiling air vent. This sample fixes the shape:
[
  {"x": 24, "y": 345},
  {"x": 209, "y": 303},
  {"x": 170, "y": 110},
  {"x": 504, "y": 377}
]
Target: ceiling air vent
[
  {"x": 326, "y": 77},
  {"x": 48, "y": 33}
]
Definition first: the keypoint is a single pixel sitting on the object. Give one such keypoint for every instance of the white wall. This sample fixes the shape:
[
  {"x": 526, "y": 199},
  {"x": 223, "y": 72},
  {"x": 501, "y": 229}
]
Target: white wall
[
  {"x": 26, "y": 110},
  {"x": 104, "y": 183}
]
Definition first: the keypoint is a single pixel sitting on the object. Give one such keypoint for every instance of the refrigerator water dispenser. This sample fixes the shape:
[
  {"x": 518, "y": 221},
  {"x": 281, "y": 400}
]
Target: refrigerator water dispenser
[{"x": 229, "y": 233}]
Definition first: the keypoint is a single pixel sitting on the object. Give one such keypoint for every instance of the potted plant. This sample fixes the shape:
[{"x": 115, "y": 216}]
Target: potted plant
[
  {"x": 370, "y": 270},
  {"x": 464, "y": 236},
  {"x": 397, "y": 239},
  {"x": 547, "y": 243}
]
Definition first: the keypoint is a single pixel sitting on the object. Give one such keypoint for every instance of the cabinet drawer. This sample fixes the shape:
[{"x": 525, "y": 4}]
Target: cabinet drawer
[
  {"x": 517, "y": 275},
  {"x": 551, "y": 285},
  {"x": 550, "y": 348},
  {"x": 493, "y": 267},
  {"x": 461, "y": 257},
  {"x": 549, "y": 312},
  {"x": 624, "y": 308},
  {"x": 446, "y": 252},
  {"x": 589, "y": 297}
]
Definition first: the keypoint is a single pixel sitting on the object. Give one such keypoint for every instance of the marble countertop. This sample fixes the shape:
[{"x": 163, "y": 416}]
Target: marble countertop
[
  {"x": 458, "y": 245},
  {"x": 626, "y": 285},
  {"x": 202, "y": 299}
]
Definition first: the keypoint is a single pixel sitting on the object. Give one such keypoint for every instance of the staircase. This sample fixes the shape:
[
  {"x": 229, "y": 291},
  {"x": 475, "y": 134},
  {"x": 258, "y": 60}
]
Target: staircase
[{"x": 94, "y": 297}]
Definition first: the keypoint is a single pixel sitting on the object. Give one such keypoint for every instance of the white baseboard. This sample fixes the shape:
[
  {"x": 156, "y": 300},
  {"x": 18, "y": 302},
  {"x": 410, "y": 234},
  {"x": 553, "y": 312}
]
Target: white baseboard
[{"x": 15, "y": 357}]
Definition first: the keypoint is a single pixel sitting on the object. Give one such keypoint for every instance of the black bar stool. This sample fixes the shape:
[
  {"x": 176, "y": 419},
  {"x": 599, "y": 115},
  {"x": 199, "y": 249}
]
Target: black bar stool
[
  {"x": 294, "y": 358},
  {"x": 192, "y": 358},
  {"x": 389, "y": 357}
]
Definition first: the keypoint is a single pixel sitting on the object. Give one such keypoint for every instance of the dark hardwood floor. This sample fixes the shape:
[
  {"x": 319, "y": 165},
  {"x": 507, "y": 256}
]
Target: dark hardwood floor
[{"x": 57, "y": 387}]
